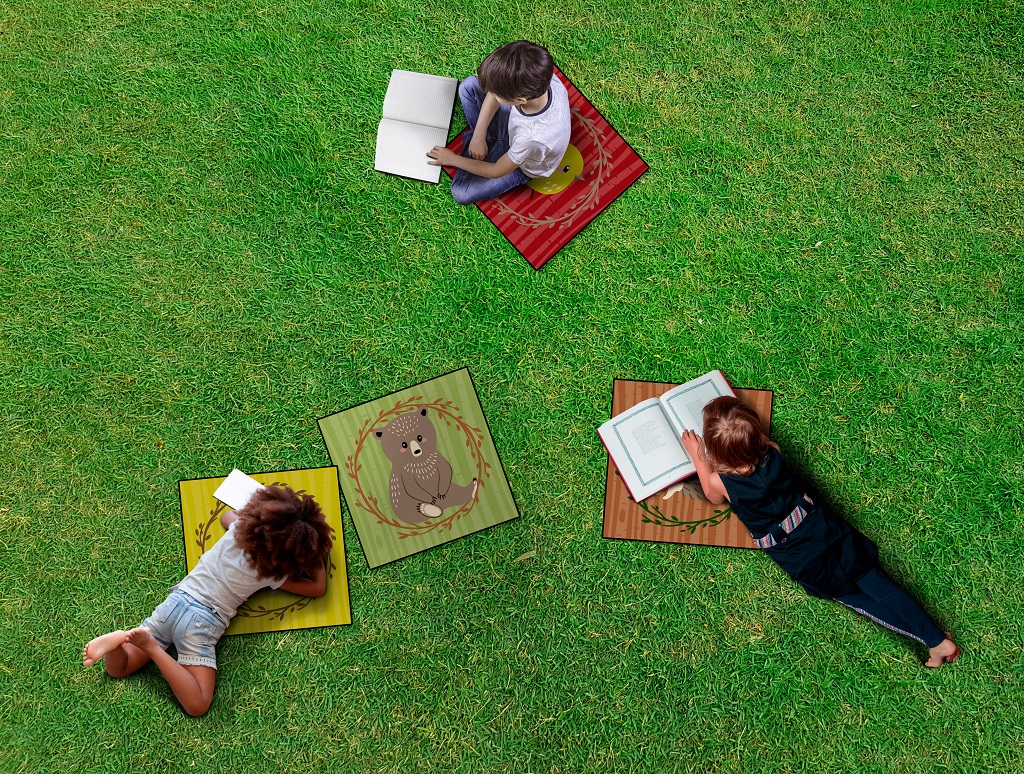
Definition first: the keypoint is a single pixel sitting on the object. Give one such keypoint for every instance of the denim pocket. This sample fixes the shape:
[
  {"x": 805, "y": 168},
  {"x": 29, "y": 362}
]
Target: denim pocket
[
  {"x": 165, "y": 610},
  {"x": 200, "y": 631}
]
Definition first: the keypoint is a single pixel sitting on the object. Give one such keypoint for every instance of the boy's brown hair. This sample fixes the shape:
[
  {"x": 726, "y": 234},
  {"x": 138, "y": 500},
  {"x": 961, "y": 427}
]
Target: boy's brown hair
[
  {"x": 283, "y": 534},
  {"x": 733, "y": 439},
  {"x": 519, "y": 69}
]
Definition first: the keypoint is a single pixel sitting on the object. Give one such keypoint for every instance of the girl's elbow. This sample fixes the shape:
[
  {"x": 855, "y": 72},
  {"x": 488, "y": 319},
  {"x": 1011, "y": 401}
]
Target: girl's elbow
[
  {"x": 714, "y": 498},
  {"x": 320, "y": 588}
]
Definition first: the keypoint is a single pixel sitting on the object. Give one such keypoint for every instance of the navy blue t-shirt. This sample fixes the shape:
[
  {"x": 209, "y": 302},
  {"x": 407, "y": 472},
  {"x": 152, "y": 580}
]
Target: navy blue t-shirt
[
  {"x": 823, "y": 554},
  {"x": 765, "y": 497}
]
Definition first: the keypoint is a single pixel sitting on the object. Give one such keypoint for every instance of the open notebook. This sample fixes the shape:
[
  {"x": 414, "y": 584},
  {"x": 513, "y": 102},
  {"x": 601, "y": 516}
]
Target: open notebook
[
  {"x": 417, "y": 116},
  {"x": 237, "y": 489}
]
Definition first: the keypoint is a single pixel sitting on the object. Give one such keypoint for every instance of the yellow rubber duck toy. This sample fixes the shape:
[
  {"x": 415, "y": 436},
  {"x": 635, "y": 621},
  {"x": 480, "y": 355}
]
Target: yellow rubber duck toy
[{"x": 570, "y": 168}]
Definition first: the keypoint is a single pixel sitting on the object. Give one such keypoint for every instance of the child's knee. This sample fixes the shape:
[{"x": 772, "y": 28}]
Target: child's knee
[
  {"x": 198, "y": 707},
  {"x": 116, "y": 671},
  {"x": 469, "y": 88},
  {"x": 463, "y": 194}
]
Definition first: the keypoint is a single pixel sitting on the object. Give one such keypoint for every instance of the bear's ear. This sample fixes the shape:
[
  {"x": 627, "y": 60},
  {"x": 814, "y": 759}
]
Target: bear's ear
[
  {"x": 423, "y": 411},
  {"x": 379, "y": 433}
]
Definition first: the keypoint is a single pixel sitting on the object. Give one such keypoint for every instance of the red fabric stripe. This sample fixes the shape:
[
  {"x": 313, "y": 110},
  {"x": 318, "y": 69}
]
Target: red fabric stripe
[{"x": 538, "y": 243}]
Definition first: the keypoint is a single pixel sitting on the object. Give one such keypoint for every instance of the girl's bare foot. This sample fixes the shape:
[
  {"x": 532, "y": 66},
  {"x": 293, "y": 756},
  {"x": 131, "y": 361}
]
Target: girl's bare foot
[
  {"x": 141, "y": 638},
  {"x": 97, "y": 648},
  {"x": 943, "y": 653}
]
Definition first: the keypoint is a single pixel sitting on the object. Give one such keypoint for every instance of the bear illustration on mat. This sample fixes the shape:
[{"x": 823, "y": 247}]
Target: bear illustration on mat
[{"x": 421, "y": 478}]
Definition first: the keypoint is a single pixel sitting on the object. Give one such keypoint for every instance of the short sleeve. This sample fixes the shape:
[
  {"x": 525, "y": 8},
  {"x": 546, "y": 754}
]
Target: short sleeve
[
  {"x": 275, "y": 583},
  {"x": 519, "y": 152}
]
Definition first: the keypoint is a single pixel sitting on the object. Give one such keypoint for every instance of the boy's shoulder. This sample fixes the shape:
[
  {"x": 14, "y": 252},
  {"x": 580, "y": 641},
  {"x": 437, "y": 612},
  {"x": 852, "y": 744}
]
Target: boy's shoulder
[
  {"x": 558, "y": 91},
  {"x": 555, "y": 114}
]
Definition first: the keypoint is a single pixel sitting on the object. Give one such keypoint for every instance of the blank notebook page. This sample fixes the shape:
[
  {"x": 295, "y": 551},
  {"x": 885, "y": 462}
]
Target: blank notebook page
[
  {"x": 420, "y": 99},
  {"x": 402, "y": 149}
]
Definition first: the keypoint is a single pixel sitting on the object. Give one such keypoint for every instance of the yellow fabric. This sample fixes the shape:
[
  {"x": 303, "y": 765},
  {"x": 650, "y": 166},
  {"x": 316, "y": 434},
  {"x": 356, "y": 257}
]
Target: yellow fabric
[{"x": 273, "y": 611}]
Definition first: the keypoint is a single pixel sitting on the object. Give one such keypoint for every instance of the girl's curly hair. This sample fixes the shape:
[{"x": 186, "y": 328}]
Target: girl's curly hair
[{"x": 283, "y": 534}]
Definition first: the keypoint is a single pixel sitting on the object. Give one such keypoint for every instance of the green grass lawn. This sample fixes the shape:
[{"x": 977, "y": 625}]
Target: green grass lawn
[{"x": 197, "y": 261}]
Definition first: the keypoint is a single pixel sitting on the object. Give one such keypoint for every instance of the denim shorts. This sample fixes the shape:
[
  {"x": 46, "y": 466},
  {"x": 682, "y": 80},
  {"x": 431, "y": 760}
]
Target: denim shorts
[{"x": 190, "y": 626}]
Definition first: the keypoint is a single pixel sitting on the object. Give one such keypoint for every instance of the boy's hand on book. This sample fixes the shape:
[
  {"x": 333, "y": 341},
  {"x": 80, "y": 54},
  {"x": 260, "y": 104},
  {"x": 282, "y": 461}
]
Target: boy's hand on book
[
  {"x": 443, "y": 156},
  {"x": 478, "y": 147}
]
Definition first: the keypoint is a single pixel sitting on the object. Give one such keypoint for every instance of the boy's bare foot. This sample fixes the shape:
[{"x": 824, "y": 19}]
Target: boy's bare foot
[
  {"x": 141, "y": 638},
  {"x": 943, "y": 653},
  {"x": 97, "y": 648}
]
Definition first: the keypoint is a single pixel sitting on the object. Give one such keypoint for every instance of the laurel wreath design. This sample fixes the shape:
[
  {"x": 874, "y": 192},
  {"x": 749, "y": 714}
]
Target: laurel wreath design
[
  {"x": 587, "y": 200},
  {"x": 659, "y": 519},
  {"x": 204, "y": 532},
  {"x": 452, "y": 416}
]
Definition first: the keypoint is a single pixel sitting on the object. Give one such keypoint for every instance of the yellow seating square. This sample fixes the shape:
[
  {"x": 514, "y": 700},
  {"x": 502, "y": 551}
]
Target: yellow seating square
[{"x": 274, "y": 610}]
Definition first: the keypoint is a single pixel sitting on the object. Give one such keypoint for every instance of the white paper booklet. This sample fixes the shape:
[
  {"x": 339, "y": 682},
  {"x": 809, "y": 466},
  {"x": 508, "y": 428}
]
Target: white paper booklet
[
  {"x": 645, "y": 441},
  {"x": 417, "y": 116},
  {"x": 236, "y": 489}
]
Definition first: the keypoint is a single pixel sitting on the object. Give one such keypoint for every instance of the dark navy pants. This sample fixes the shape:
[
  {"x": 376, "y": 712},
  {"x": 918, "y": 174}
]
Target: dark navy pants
[{"x": 886, "y": 603}]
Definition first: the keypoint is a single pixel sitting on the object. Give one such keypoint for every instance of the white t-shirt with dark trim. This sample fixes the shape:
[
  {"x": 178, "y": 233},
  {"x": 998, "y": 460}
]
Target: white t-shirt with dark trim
[
  {"x": 537, "y": 141},
  {"x": 224, "y": 578}
]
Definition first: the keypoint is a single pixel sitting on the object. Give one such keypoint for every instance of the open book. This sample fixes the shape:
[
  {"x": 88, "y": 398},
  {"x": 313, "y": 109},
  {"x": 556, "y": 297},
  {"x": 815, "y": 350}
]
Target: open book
[
  {"x": 417, "y": 116},
  {"x": 645, "y": 441}
]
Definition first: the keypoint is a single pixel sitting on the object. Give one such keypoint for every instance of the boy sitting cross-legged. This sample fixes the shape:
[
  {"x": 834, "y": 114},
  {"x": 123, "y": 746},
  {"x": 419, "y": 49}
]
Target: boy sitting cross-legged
[{"x": 524, "y": 110}]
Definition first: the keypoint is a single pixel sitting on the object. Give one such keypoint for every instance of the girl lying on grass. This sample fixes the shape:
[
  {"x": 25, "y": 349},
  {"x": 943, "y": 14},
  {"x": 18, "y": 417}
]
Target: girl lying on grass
[
  {"x": 829, "y": 558},
  {"x": 278, "y": 539}
]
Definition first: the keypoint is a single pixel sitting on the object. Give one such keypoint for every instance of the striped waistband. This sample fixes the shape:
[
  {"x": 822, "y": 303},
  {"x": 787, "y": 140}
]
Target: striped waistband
[{"x": 785, "y": 526}]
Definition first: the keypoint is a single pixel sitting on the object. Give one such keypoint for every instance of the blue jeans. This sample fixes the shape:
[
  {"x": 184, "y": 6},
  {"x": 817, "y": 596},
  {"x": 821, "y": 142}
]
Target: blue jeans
[
  {"x": 190, "y": 626},
  {"x": 885, "y": 603},
  {"x": 468, "y": 188}
]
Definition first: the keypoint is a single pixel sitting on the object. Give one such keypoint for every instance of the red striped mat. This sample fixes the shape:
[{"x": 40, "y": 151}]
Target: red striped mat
[{"x": 540, "y": 225}]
